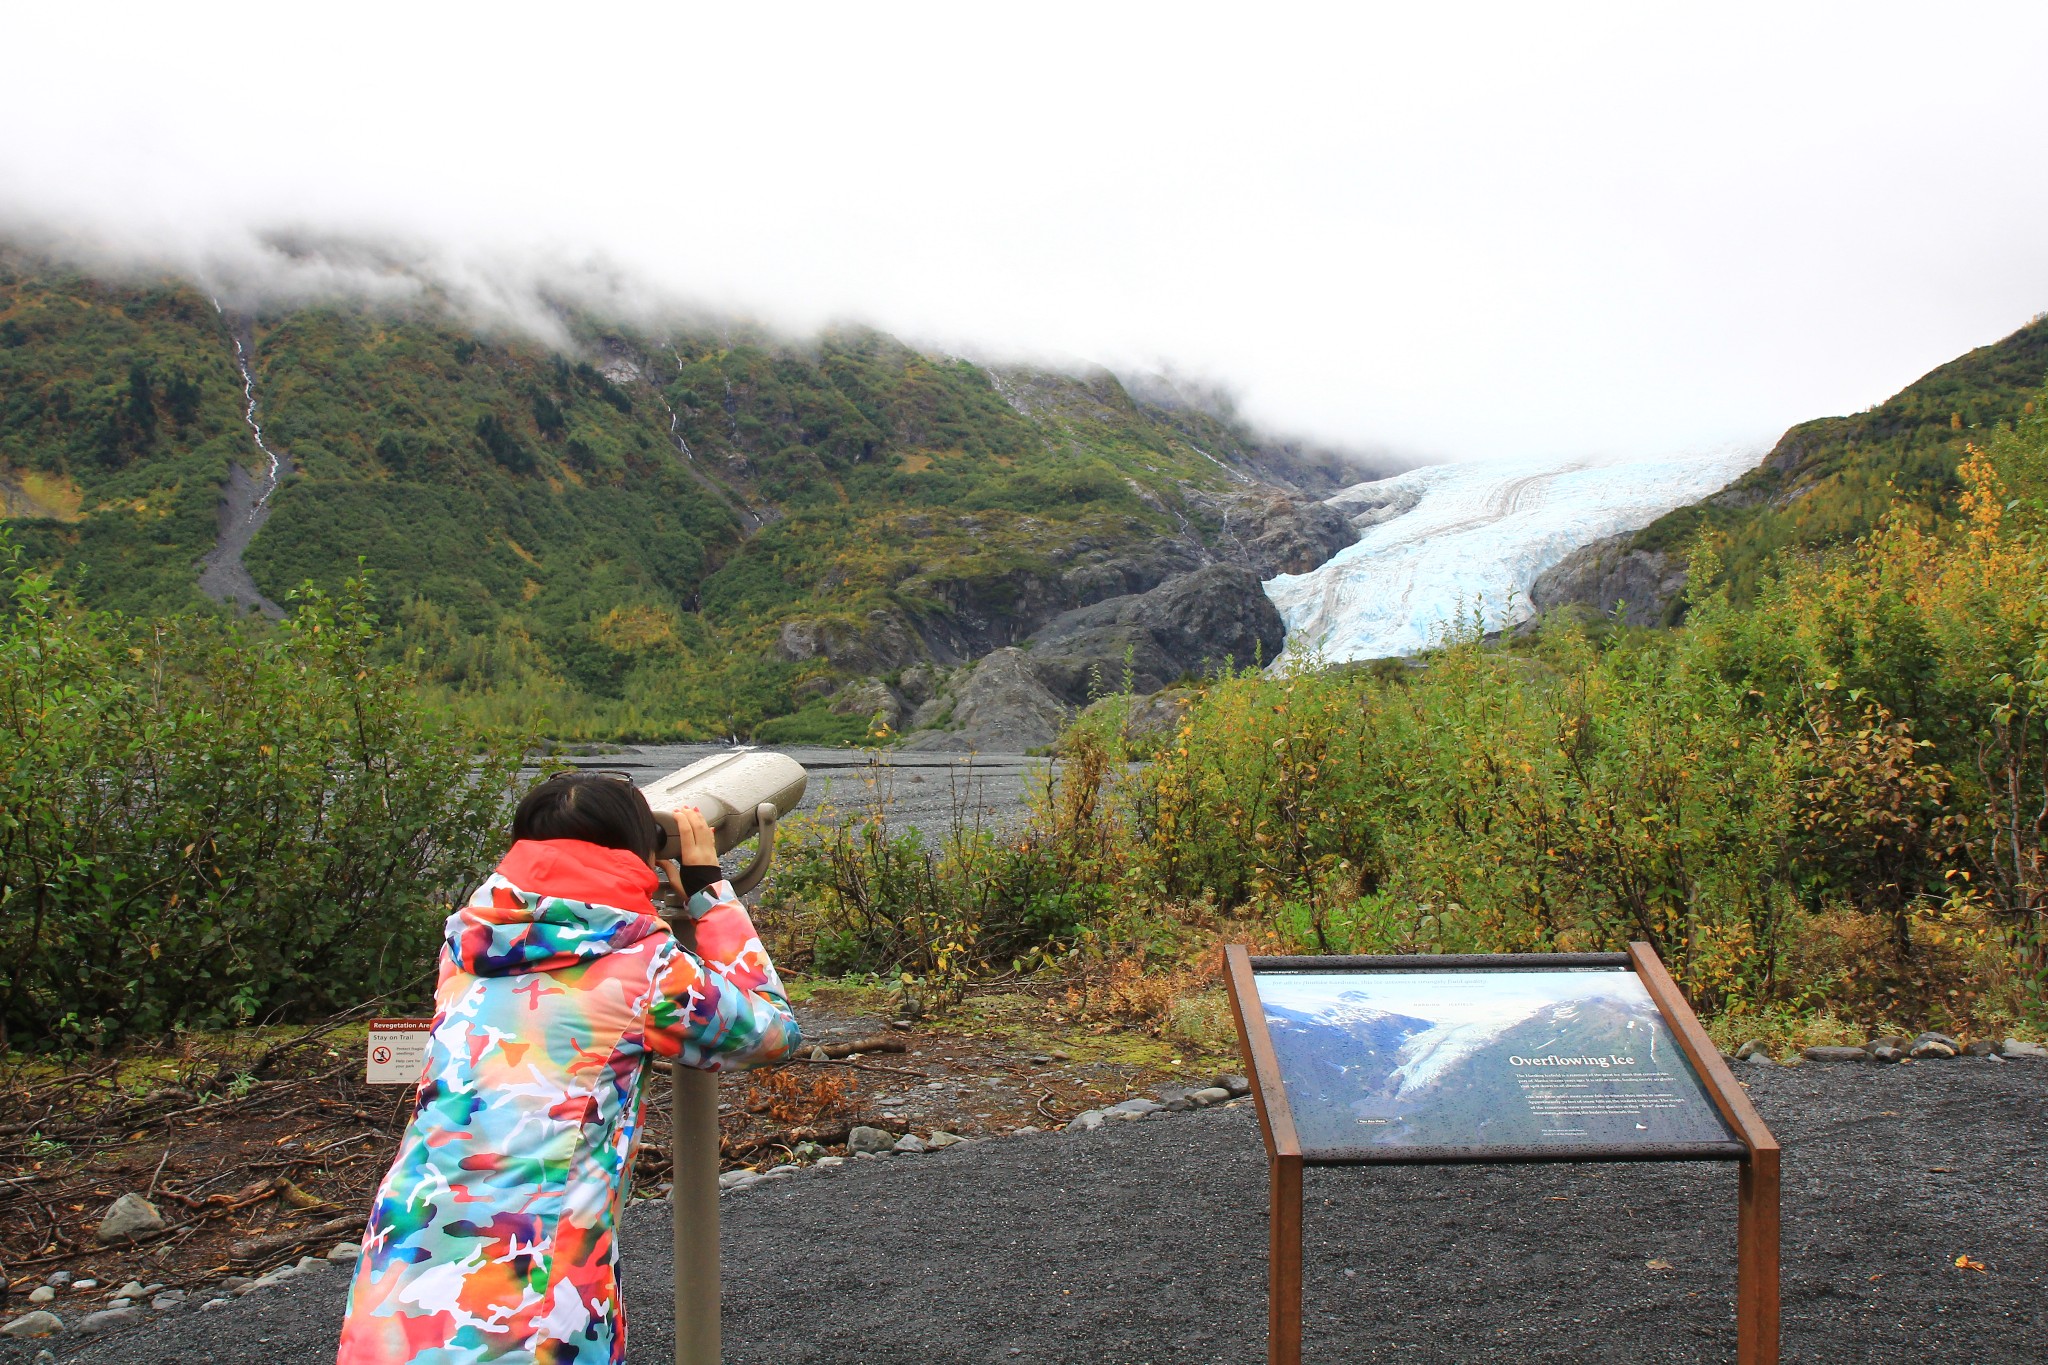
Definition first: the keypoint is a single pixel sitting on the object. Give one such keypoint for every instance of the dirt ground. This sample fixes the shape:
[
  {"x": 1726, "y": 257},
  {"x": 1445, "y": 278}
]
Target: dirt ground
[
  {"x": 1914, "y": 1207},
  {"x": 266, "y": 1145}
]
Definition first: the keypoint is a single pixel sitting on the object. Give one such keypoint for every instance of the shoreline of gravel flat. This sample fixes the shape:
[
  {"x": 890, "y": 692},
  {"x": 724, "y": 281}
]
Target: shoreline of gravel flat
[
  {"x": 1145, "y": 1242},
  {"x": 935, "y": 791}
]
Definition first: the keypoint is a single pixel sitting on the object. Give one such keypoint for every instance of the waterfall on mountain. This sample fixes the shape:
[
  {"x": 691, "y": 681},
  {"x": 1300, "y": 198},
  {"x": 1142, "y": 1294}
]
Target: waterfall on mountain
[{"x": 244, "y": 499}]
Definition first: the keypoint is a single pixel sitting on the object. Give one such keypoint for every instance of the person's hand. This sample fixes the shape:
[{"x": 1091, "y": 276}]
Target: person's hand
[{"x": 697, "y": 845}]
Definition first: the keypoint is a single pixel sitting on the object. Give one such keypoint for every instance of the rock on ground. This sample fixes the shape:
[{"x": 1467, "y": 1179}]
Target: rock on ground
[
  {"x": 39, "y": 1323},
  {"x": 866, "y": 1139},
  {"x": 129, "y": 1217},
  {"x": 111, "y": 1317}
]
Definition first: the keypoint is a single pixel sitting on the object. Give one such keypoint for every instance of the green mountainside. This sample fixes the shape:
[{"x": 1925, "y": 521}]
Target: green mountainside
[
  {"x": 681, "y": 533},
  {"x": 1831, "y": 480}
]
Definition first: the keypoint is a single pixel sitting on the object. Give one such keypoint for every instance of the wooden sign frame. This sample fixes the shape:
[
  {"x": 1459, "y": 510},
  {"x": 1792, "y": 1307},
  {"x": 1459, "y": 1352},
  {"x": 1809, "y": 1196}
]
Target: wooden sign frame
[{"x": 1756, "y": 1240}]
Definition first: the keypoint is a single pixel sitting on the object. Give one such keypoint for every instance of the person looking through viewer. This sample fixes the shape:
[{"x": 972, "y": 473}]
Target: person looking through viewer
[{"x": 494, "y": 1235}]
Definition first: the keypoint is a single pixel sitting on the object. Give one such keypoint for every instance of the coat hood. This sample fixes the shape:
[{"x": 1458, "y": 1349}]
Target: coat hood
[{"x": 553, "y": 903}]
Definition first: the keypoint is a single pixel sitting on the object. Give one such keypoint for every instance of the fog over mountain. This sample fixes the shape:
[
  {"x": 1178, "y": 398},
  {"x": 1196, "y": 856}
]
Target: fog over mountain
[{"x": 1455, "y": 233}]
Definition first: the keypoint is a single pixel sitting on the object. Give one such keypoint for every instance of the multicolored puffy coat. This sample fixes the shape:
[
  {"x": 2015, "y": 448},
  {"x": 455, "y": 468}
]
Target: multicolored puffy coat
[{"x": 493, "y": 1235}]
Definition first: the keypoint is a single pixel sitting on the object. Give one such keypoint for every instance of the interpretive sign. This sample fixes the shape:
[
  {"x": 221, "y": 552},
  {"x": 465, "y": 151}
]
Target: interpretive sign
[
  {"x": 1512, "y": 1057},
  {"x": 1480, "y": 1065},
  {"x": 396, "y": 1051}
]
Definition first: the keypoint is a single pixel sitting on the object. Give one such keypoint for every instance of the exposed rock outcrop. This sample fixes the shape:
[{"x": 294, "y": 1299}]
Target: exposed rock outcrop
[
  {"x": 1597, "y": 576},
  {"x": 1020, "y": 698},
  {"x": 1001, "y": 706},
  {"x": 882, "y": 643},
  {"x": 1173, "y": 607},
  {"x": 918, "y": 683},
  {"x": 1254, "y": 532},
  {"x": 1274, "y": 533},
  {"x": 1189, "y": 625},
  {"x": 869, "y": 698},
  {"x": 978, "y": 614},
  {"x": 1371, "y": 504}
]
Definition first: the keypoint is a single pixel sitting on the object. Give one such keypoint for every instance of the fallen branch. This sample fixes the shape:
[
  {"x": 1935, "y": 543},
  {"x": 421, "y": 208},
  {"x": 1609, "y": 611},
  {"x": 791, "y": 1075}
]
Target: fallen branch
[
  {"x": 242, "y": 1098},
  {"x": 258, "y": 1248},
  {"x": 157, "y": 1174},
  {"x": 880, "y": 1043},
  {"x": 360, "y": 1010},
  {"x": 856, "y": 1066},
  {"x": 825, "y": 1135},
  {"x": 286, "y": 1163},
  {"x": 353, "y": 1137}
]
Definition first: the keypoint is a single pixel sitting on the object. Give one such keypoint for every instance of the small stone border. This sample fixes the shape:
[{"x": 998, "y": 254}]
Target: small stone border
[
  {"x": 1891, "y": 1048},
  {"x": 125, "y": 1307},
  {"x": 1222, "y": 1090}
]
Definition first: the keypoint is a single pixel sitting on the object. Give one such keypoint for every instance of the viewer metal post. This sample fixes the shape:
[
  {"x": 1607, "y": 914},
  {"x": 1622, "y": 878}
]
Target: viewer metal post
[{"x": 694, "y": 1196}]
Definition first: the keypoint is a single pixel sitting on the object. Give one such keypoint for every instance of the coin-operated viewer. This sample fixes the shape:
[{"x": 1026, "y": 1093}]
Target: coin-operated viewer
[{"x": 494, "y": 1235}]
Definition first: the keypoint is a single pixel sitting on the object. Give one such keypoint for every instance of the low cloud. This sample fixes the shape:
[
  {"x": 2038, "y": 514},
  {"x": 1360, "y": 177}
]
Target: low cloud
[
  {"x": 493, "y": 291},
  {"x": 1523, "y": 233}
]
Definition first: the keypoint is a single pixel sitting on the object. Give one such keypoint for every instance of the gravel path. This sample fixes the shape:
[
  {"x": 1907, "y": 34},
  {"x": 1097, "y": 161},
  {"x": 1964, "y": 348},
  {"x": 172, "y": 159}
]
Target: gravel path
[{"x": 1145, "y": 1242}]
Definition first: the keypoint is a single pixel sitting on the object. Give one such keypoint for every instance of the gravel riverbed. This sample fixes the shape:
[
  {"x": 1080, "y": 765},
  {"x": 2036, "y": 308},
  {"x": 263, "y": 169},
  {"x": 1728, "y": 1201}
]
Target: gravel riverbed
[
  {"x": 1145, "y": 1242},
  {"x": 936, "y": 792}
]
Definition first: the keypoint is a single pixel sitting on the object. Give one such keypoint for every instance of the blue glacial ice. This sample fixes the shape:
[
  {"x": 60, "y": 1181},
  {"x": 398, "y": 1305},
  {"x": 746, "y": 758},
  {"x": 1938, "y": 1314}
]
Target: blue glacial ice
[{"x": 1438, "y": 543}]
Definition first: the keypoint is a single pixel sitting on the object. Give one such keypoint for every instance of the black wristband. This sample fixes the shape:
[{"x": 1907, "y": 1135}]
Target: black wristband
[{"x": 696, "y": 879}]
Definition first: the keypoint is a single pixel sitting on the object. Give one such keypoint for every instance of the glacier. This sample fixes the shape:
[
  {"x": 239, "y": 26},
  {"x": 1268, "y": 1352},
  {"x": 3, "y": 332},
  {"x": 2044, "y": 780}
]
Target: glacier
[{"x": 1438, "y": 543}]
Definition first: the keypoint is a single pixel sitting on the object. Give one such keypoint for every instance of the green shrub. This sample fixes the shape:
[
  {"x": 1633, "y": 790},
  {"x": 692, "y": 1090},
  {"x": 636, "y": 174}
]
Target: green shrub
[
  {"x": 203, "y": 825},
  {"x": 870, "y": 895},
  {"x": 814, "y": 724},
  {"x": 1826, "y": 801}
]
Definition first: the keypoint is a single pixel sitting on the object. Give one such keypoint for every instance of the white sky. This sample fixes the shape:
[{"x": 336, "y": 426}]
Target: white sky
[{"x": 1467, "y": 231}]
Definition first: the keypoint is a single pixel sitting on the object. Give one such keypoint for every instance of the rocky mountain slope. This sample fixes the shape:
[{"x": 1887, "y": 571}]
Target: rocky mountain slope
[
  {"x": 697, "y": 530},
  {"x": 1824, "y": 483}
]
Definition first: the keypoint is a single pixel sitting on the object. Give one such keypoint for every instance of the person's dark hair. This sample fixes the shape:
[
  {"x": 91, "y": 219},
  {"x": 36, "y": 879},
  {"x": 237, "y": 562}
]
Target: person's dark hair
[{"x": 605, "y": 811}]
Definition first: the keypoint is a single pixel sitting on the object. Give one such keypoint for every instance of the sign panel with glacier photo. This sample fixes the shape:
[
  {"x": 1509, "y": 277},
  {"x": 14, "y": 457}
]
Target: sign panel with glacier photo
[
  {"x": 1390, "y": 1065},
  {"x": 1444, "y": 1059}
]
